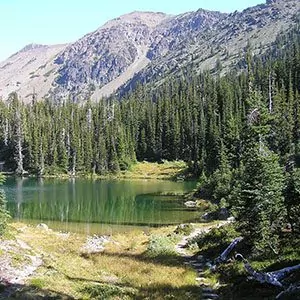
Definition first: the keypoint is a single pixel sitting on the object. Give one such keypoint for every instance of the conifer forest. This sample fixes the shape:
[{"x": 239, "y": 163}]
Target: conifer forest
[{"x": 238, "y": 132}]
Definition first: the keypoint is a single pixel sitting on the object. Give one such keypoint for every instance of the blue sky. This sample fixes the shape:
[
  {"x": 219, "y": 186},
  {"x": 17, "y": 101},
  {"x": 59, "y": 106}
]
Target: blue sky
[{"x": 59, "y": 21}]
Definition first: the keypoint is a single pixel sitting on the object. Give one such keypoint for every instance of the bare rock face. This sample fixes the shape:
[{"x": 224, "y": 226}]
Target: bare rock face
[
  {"x": 170, "y": 34},
  {"x": 122, "y": 45},
  {"x": 103, "y": 55},
  {"x": 143, "y": 47},
  {"x": 220, "y": 39}
]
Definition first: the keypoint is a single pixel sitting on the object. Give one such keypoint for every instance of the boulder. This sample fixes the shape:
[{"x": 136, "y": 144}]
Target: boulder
[
  {"x": 42, "y": 226},
  {"x": 223, "y": 213},
  {"x": 190, "y": 204},
  {"x": 94, "y": 244},
  {"x": 184, "y": 229}
]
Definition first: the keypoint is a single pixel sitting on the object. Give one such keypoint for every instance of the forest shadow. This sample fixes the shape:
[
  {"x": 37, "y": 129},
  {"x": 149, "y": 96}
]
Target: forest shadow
[
  {"x": 103, "y": 290},
  {"x": 152, "y": 291},
  {"x": 169, "y": 260},
  {"x": 29, "y": 292}
]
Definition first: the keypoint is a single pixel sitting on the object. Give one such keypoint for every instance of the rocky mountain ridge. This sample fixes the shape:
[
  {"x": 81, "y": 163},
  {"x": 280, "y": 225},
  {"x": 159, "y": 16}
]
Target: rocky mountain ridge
[{"x": 143, "y": 47}]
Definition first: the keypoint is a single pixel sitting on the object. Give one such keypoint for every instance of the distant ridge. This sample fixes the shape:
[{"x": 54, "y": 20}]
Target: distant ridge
[{"x": 143, "y": 47}]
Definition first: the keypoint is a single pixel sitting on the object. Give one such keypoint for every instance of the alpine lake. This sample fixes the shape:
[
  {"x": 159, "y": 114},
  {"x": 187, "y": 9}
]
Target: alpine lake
[{"x": 98, "y": 206}]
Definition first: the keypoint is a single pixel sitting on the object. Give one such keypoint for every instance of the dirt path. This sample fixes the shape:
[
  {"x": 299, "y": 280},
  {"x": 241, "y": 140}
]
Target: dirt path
[{"x": 198, "y": 263}]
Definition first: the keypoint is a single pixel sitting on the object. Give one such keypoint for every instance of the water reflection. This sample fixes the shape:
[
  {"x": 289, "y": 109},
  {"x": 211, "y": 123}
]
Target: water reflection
[{"x": 94, "y": 203}]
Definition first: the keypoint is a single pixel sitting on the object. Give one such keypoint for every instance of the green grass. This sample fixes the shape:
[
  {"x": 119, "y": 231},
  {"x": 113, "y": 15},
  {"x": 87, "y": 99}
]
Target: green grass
[
  {"x": 134, "y": 265},
  {"x": 166, "y": 170},
  {"x": 171, "y": 170},
  {"x": 37, "y": 283},
  {"x": 106, "y": 291}
]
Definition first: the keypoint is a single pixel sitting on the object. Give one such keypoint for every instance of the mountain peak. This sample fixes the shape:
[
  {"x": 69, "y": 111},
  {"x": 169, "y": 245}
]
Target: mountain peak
[
  {"x": 31, "y": 47},
  {"x": 270, "y": 2},
  {"x": 144, "y": 46},
  {"x": 151, "y": 19}
]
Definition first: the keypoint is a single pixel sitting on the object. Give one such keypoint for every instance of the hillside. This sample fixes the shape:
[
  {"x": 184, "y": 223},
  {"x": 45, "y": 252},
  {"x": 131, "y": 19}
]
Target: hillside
[
  {"x": 31, "y": 70},
  {"x": 143, "y": 47}
]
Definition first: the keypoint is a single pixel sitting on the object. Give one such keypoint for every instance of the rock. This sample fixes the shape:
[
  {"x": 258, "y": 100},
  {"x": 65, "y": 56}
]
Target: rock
[
  {"x": 184, "y": 229},
  {"x": 42, "y": 226},
  {"x": 210, "y": 296},
  {"x": 231, "y": 219},
  {"x": 200, "y": 258},
  {"x": 200, "y": 279},
  {"x": 94, "y": 244},
  {"x": 190, "y": 204},
  {"x": 63, "y": 235},
  {"x": 193, "y": 261},
  {"x": 206, "y": 216},
  {"x": 223, "y": 214},
  {"x": 208, "y": 264},
  {"x": 22, "y": 229},
  {"x": 197, "y": 265}
]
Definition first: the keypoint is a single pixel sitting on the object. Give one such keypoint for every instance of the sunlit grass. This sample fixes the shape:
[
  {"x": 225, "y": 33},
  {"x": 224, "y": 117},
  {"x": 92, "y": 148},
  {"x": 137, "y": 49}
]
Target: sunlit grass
[
  {"x": 123, "y": 271},
  {"x": 146, "y": 170}
]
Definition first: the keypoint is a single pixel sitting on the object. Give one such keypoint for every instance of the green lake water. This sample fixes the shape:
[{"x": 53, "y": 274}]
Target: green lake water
[{"x": 98, "y": 206}]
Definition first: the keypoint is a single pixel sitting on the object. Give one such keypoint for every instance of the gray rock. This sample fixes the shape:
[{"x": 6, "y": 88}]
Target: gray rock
[
  {"x": 197, "y": 265},
  {"x": 210, "y": 296},
  {"x": 42, "y": 226},
  {"x": 200, "y": 258},
  {"x": 223, "y": 214},
  {"x": 94, "y": 244},
  {"x": 190, "y": 204},
  {"x": 207, "y": 216}
]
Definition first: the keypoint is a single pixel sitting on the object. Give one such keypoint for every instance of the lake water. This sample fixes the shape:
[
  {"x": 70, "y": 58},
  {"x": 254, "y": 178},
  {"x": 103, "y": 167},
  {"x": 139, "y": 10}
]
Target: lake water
[{"x": 97, "y": 206}]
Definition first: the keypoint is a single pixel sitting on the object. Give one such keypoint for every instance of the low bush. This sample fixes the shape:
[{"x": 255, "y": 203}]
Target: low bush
[
  {"x": 161, "y": 246},
  {"x": 106, "y": 291}
]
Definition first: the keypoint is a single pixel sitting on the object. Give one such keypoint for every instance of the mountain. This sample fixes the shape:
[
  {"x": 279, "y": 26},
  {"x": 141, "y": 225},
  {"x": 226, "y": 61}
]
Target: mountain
[
  {"x": 144, "y": 47},
  {"x": 31, "y": 70}
]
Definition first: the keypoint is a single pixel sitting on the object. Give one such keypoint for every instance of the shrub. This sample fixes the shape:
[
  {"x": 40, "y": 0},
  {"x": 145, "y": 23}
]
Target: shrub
[
  {"x": 184, "y": 229},
  {"x": 216, "y": 239},
  {"x": 161, "y": 246},
  {"x": 106, "y": 291}
]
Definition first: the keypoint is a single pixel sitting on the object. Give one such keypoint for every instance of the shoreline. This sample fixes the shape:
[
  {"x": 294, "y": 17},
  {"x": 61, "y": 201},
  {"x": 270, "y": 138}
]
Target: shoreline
[{"x": 168, "y": 170}]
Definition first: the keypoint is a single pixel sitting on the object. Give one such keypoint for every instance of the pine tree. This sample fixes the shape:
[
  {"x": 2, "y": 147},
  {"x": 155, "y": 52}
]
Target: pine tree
[
  {"x": 258, "y": 201},
  {"x": 16, "y": 108},
  {"x": 292, "y": 199}
]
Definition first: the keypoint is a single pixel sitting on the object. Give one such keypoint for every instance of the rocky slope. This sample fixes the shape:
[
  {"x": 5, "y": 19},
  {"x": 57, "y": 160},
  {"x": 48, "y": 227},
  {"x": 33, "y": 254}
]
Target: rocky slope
[
  {"x": 223, "y": 45},
  {"x": 143, "y": 47},
  {"x": 30, "y": 71},
  {"x": 104, "y": 60}
]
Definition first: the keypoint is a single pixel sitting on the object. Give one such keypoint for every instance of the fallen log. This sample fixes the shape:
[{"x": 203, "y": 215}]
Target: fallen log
[
  {"x": 223, "y": 257},
  {"x": 291, "y": 289},
  {"x": 273, "y": 278}
]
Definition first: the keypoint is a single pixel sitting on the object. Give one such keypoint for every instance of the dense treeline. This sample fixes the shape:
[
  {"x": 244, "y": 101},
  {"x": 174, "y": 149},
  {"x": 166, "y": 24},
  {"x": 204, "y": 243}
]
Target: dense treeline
[{"x": 239, "y": 133}]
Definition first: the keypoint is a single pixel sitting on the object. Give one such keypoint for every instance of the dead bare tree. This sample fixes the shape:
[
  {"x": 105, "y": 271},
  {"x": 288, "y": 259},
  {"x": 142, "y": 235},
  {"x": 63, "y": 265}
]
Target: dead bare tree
[
  {"x": 223, "y": 257},
  {"x": 19, "y": 143},
  {"x": 273, "y": 278}
]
